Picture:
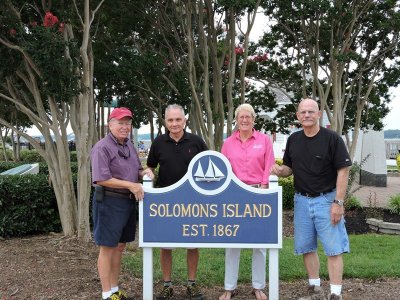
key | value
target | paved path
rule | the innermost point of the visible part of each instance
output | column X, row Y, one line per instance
column 379, row 196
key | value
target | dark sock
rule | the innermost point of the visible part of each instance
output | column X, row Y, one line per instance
column 168, row 283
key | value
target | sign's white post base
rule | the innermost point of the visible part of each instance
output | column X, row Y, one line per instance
column 273, row 274
column 147, row 259
column 148, row 273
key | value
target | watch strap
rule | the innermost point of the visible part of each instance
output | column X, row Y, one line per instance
column 338, row 202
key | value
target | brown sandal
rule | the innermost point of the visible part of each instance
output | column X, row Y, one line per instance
column 259, row 294
column 228, row 295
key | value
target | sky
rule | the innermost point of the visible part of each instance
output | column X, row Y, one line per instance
column 392, row 120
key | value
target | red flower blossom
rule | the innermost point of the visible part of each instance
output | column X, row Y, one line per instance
column 259, row 58
column 239, row 50
column 34, row 24
column 13, row 32
column 50, row 20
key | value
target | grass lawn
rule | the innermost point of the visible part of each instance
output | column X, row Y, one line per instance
column 372, row 256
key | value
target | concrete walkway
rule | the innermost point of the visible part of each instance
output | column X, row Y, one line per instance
column 371, row 196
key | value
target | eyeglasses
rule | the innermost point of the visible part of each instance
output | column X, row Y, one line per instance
column 245, row 117
column 124, row 155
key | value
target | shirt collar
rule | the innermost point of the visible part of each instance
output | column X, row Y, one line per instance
column 237, row 134
column 184, row 137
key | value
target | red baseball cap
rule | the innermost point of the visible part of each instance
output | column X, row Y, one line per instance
column 119, row 113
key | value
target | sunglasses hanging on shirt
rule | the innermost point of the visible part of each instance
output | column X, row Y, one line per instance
column 123, row 154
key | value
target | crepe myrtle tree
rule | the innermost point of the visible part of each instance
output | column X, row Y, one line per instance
column 343, row 53
column 47, row 74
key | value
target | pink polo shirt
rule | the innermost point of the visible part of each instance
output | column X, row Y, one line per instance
column 251, row 160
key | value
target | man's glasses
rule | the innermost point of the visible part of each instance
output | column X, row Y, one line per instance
column 124, row 155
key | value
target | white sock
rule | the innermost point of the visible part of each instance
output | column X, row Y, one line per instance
column 105, row 295
column 114, row 289
column 336, row 289
column 314, row 281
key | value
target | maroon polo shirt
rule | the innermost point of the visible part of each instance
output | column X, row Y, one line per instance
column 113, row 160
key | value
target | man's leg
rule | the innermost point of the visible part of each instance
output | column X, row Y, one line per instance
column 192, row 290
column 104, row 266
column 335, row 269
column 166, row 263
column 311, row 263
column 116, row 264
column 192, row 262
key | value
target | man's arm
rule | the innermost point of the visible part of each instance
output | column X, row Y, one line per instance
column 337, row 210
column 281, row 171
column 148, row 171
column 133, row 187
column 341, row 182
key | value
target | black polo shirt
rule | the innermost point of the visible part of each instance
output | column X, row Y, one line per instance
column 173, row 157
column 315, row 160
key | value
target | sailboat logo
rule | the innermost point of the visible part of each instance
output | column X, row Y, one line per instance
column 212, row 173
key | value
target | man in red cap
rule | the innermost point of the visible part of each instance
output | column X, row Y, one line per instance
column 116, row 170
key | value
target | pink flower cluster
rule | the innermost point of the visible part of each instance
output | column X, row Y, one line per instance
column 259, row 58
column 50, row 20
column 239, row 50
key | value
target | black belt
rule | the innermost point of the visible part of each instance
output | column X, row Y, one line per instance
column 257, row 185
column 119, row 195
column 314, row 195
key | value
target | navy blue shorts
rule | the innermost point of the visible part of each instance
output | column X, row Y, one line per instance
column 114, row 221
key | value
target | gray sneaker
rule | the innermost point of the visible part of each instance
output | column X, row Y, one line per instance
column 314, row 293
column 335, row 297
column 193, row 292
column 166, row 293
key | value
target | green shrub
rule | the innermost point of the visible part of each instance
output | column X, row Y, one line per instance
column 8, row 153
column 27, row 206
column 352, row 203
column 31, row 156
column 398, row 161
column 287, row 192
column 73, row 157
column 4, row 166
column 353, row 175
column 394, row 204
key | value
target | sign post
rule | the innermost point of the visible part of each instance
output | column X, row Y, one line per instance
column 147, row 255
column 210, row 208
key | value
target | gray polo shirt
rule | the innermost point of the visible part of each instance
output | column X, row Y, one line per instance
column 113, row 160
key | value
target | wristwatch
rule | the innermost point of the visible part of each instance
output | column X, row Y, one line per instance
column 338, row 202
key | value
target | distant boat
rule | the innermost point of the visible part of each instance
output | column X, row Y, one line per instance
column 212, row 173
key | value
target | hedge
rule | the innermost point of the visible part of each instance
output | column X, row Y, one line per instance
column 287, row 192
column 31, row 156
column 27, row 206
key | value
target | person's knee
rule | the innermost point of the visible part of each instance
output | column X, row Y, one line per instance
column 121, row 247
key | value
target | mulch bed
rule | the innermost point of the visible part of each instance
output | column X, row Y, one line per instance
column 57, row 267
